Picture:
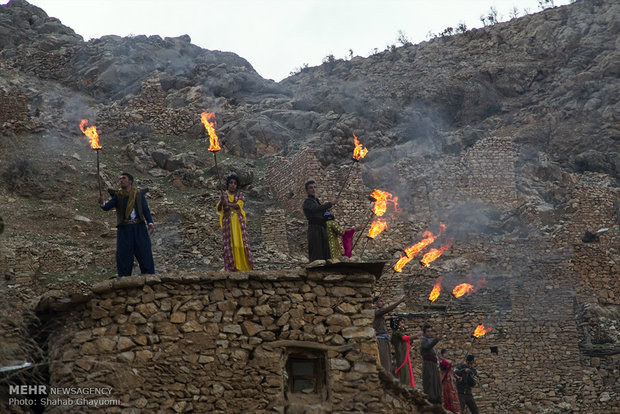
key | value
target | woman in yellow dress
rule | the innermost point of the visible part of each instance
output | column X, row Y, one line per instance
column 235, row 239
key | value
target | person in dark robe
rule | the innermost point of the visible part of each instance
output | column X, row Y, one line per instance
column 448, row 384
column 318, row 244
column 430, row 365
column 380, row 326
column 468, row 378
column 402, row 352
column 133, row 226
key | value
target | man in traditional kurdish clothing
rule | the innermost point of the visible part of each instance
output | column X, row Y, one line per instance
column 132, row 219
column 467, row 378
column 380, row 326
column 430, row 370
column 318, row 244
column 235, row 238
column 402, row 351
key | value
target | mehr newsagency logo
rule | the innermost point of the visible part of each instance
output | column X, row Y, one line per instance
column 43, row 395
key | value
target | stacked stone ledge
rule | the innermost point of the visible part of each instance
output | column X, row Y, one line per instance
column 218, row 342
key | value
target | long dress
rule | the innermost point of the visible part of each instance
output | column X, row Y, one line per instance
column 402, row 347
column 334, row 234
column 448, row 384
column 235, row 239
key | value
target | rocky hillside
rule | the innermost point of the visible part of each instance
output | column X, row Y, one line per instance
column 548, row 81
column 510, row 133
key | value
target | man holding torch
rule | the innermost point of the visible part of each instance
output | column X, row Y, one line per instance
column 380, row 327
column 318, row 244
column 431, row 380
column 468, row 378
column 133, row 217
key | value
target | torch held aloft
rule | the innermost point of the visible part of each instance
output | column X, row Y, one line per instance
column 470, row 347
column 364, row 249
column 98, row 174
column 346, row 178
column 217, row 170
column 363, row 228
column 443, row 322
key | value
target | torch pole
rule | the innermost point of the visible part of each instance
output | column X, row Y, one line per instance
column 443, row 322
column 411, row 284
column 346, row 179
column 217, row 170
column 364, row 249
column 98, row 175
column 363, row 229
column 390, row 281
column 470, row 348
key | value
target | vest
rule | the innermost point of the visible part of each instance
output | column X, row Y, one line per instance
column 120, row 206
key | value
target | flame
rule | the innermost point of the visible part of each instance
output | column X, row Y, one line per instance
column 91, row 132
column 376, row 228
column 481, row 330
column 398, row 267
column 436, row 290
column 381, row 200
column 413, row 250
column 433, row 254
column 208, row 119
column 462, row 289
column 360, row 151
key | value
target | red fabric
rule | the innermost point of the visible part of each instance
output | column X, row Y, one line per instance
column 347, row 242
column 407, row 360
column 448, row 384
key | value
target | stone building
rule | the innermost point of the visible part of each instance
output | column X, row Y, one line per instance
column 275, row 341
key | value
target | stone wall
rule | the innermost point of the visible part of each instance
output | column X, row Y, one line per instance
column 536, row 358
column 286, row 178
column 219, row 342
column 14, row 117
column 273, row 230
column 149, row 110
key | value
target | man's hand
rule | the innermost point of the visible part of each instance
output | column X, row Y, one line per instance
column 100, row 200
column 151, row 227
column 335, row 201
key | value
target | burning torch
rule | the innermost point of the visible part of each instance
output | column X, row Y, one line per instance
column 478, row 332
column 413, row 250
column 433, row 254
column 457, row 292
column 381, row 199
column 376, row 228
column 359, row 152
column 208, row 120
column 436, row 291
column 91, row 133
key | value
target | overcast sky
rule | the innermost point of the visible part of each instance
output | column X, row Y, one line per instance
column 278, row 36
